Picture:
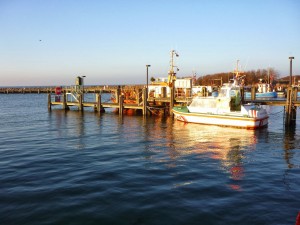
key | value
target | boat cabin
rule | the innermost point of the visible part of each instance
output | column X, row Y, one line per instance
column 228, row 100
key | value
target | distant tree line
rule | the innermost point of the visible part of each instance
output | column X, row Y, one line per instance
column 250, row 77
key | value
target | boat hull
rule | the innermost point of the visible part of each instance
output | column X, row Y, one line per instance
column 272, row 94
column 229, row 120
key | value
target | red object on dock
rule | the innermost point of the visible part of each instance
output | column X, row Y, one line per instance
column 58, row 90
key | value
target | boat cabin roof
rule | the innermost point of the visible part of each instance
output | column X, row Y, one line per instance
column 228, row 90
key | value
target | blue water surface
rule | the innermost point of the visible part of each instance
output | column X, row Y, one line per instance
column 60, row 167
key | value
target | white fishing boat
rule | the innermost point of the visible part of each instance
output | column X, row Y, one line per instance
column 224, row 110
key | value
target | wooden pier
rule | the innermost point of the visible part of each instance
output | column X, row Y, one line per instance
column 120, row 102
column 142, row 102
column 146, row 104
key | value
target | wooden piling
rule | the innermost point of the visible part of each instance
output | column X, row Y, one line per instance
column 65, row 106
column 49, row 101
column 294, row 108
column 80, row 105
column 290, row 109
column 145, row 102
column 253, row 94
column 172, row 100
column 118, row 93
column 121, row 101
column 98, row 100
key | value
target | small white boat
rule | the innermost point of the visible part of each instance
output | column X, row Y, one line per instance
column 224, row 110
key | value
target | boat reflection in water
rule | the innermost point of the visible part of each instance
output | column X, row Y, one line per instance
column 227, row 145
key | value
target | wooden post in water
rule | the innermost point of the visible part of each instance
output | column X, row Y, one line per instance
column 118, row 93
column 287, row 107
column 49, row 101
column 290, row 110
column 80, row 105
column 145, row 102
column 253, row 95
column 172, row 100
column 121, row 101
column 65, row 106
column 294, row 108
column 98, row 99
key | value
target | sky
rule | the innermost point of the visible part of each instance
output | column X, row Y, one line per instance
column 51, row 42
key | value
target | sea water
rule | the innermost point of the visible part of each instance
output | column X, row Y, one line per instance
column 60, row 167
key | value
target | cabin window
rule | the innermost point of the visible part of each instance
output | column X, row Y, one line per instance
column 222, row 93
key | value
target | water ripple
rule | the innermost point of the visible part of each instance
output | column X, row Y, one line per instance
column 80, row 168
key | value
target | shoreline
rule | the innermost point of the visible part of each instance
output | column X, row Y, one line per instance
column 51, row 89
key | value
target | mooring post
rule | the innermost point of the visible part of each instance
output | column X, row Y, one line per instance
column 121, row 100
column 253, row 94
column 49, row 101
column 145, row 102
column 291, row 111
column 288, row 107
column 118, row 93
column 65, row 105
column 293, row 108
column 80, row 104
column 172, row 100
column 99, row 105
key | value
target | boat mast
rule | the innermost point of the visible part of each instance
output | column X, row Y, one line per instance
column 269, row 75
column 237, row 69
column 237, row 73
column 171, row 73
